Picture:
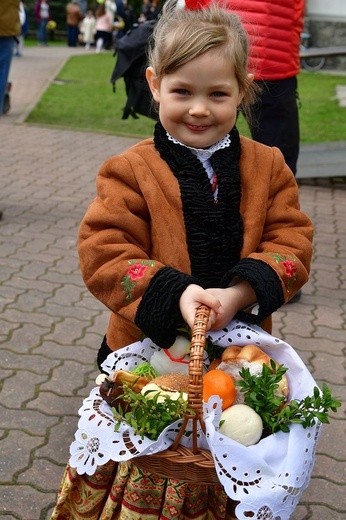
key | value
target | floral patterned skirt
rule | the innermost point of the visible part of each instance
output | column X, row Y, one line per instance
column 122, row 491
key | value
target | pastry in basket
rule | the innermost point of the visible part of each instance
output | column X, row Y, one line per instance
column 252, row 357
column 157, row 405
column 169, row 385
column 111, row 389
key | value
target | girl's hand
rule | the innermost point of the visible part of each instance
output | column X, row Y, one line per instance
column 192, row 298
column 232, row 300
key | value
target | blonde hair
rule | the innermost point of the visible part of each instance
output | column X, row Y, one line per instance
column 182, row 35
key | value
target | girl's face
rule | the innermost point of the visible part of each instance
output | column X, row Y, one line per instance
column 198, row 102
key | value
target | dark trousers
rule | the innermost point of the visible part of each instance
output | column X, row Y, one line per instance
column 42, row 32
column 276, row 119
column 72, row 35
column 6, row 53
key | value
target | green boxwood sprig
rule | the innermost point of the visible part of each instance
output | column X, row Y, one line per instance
column 277, row 415
column 149, row 416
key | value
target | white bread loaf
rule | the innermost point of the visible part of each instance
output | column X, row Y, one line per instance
column 252, row 357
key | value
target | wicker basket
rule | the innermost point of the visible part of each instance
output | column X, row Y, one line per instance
column 178, row 462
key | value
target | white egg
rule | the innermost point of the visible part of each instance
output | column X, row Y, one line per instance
column 180, row 347
column 174, row 359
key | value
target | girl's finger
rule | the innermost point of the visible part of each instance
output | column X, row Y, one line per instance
column 212, row 319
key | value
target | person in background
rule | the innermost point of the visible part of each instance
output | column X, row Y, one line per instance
column 24, row 21
column 10, row 27
column 129, row 16
column 42, row 17
column 196, row 215
column 88, row 29
column 154, row 10
column 74, row 16
column 104, row 28
column 145, row 11
column 120, row 12
column 83, row 5
column 274, row 28
column 111, row 8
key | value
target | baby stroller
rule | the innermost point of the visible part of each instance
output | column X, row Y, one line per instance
column 130, row 65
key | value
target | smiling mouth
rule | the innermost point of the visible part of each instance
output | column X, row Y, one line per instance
column 196, row 128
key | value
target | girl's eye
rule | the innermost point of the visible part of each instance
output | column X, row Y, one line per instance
column 218, row 94
column 182, row 92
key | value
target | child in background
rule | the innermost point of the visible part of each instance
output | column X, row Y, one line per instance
column 88, row 29
column 196, row 215
column 104, row 28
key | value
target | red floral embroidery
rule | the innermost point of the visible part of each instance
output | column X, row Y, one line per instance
column 290, row 268
column 136, row 271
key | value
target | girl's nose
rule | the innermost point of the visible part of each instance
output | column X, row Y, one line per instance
column 199, row 109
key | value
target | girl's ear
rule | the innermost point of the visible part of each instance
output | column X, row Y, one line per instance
column 153, row 83
column 250, row 78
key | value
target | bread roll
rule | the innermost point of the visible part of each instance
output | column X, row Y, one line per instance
column 173, row 382
column 252, row 357
column 167, row 385
column 250, row 353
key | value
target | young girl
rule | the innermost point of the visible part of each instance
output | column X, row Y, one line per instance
column 195, row 215
column 88, row 29
column 104, row 28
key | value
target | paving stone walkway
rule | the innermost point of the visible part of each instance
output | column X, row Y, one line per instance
column 51, row 327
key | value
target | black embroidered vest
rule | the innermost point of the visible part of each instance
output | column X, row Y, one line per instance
column 214, row 231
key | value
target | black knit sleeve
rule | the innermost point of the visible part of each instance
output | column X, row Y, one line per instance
column 158, row 314
column 266, row 284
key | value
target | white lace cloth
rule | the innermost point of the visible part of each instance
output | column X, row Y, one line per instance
column 267, row 478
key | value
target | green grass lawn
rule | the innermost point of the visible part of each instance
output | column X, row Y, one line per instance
column 82, row 98
column 30, row 42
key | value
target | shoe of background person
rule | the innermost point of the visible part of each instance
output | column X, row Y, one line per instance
column 296, row 297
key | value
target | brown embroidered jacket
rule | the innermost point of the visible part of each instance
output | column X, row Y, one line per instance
column 140, row 241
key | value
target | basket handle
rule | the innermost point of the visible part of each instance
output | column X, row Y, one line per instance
column 195, row 388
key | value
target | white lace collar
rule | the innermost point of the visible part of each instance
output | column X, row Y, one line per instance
column 204, row 154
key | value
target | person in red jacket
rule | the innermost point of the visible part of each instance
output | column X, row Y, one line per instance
column 274, row 28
